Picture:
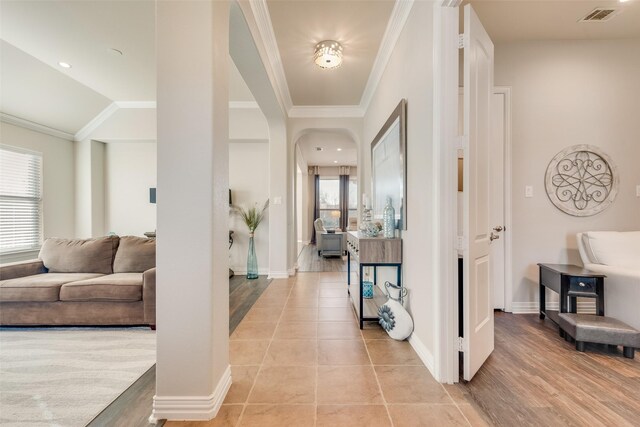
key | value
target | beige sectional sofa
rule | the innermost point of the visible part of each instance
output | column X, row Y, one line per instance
column 103, row 281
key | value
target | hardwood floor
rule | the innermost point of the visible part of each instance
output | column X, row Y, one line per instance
column 535, row 378
column 132, row 407
column 310, row 261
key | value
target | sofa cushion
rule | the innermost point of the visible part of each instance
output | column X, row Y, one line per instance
column 614, row 248
column 113, row 287
column 40, row 287
column 79, row 256
column 135, row 255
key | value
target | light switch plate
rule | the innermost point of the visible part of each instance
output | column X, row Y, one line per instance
column 528, row 191
column 277, row 200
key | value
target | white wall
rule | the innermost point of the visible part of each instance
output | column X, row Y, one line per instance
column 249, row 183
column 130, row 170
column 57, row 176
column 566, row 93
column 409, row 75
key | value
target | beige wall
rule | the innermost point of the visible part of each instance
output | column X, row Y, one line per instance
column 249, row 183
column 57, row 176
column 409, row 75
column 129, row 171
column 566, row 93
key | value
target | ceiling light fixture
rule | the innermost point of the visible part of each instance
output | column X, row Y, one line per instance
column 328, row 54
column 335, row 161
column 64, row 64
column 339, row 149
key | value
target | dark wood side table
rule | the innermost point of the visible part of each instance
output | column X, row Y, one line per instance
column 570, row 282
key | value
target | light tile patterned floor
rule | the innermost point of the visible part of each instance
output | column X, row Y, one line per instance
column 299, row 359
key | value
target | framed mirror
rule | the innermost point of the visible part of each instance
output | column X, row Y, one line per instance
column 389, row 166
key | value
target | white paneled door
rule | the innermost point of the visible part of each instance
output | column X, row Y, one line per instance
column 477, row 292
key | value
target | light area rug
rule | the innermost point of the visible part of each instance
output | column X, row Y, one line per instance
column 67, row 376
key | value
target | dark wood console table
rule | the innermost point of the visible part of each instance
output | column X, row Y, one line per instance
column 570, row 282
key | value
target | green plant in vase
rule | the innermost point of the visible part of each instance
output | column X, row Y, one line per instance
column 252, row 218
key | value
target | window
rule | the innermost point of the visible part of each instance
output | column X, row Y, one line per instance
column 353, row 197
column 330, row 202
column 20, row 200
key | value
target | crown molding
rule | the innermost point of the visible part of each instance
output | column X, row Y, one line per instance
column 244, row 105
column 136, row 104
column 84, row 133
column 326, row 111
column 398, row 18
column 17, row 121
column 248, row 141
column 263, row 21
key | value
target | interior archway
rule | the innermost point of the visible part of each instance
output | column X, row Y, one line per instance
column 326, row 162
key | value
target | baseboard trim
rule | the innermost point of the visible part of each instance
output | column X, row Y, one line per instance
column 243, row 272
column 279, row 274
column 533, row 307
column 423, row 352
column 191, row 408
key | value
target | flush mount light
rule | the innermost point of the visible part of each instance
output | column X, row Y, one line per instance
column 339, row 149
column 64, row 64
column 328, row 54
column 335, row 161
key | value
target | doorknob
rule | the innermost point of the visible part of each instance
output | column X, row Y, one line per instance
column 498, row 228
column 493, row 237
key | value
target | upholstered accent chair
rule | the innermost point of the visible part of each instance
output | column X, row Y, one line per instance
column 318, row 225
column 616, row 254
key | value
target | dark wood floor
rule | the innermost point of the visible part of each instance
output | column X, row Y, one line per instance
column 535, row 378
column 310, row 261
column 133, row 407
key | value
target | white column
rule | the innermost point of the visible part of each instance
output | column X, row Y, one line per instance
column 89, row 188
column 192, row 370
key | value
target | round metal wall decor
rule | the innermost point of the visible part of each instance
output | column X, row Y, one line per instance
column 581, row 180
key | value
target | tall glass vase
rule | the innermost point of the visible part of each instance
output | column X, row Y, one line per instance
column 252, row 260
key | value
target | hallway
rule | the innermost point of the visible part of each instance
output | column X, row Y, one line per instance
column 310, row 261
column 299, row 359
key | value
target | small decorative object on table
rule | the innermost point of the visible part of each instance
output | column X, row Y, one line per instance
column 367, row 289
column 389, row 217
column 392, row 315
column 252, row 217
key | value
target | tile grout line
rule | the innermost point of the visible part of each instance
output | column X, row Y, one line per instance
column 375, row 374
column 457, row 406
column 255, row 380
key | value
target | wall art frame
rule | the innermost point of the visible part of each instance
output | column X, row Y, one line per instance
column 582, row 180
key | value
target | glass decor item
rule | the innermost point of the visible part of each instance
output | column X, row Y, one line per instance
column 252, row 260
column 367, row 290
column 389, row 217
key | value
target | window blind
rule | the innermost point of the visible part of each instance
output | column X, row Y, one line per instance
column 20, row 200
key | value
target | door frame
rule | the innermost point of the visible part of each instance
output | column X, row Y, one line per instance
column 445, row 275
column 508, row 266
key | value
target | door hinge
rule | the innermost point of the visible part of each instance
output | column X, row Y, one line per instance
column 461, row 44
column 460, row 244
column 462, row 344
column 460, row 143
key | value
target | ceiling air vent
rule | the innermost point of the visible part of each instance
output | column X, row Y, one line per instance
column 319, row 148
column 600, row 14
